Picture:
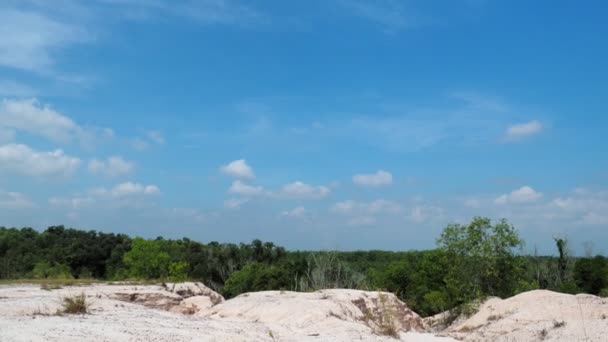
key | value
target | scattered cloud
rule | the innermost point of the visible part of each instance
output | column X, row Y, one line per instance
column 235, row 203
column 380, row 178
column 238, row 169
column 379, row 206
column 14, row 200
column 423, row 213
column 126, row 189
column 114, row 166
column 75, row 202
column 525, row 194
column 30, row 116
column 243, row 189
column 517, row 132
column 297, row 212
column 302, row 190
column 23, row 160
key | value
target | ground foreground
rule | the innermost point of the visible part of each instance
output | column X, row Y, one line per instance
column 192, row 312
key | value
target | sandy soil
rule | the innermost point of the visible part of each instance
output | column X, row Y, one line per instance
column 535, row 316
column 191, row 312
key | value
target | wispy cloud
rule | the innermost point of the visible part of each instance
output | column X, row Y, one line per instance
column 517, row 132
column 30, row 40
column 390, row 14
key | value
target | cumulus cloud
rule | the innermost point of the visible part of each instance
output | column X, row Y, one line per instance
column 127, row 189
column 379, row 178
column 235, row 203
column 14, row 200
column 525, row 194
column 32, row 117
column 243, row 189
column 112, row 167
column 302, row 190
column 23, row 160
column 238, row 169
column 523, row 130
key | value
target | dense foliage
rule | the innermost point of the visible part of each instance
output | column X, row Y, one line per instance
column 472, row 261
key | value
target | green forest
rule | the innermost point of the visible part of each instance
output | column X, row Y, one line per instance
column 471, row 261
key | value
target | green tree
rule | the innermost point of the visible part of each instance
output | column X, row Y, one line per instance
column 147, row 260
column 484, row 260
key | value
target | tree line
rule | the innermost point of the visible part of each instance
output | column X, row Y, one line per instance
column 470, row 262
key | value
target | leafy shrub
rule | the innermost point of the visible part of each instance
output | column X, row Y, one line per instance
column 44, row 270
column 178, row 271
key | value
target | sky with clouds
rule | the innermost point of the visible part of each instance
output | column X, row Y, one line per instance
column 346, row 124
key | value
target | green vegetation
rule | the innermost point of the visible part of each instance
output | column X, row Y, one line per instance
column 471, row 262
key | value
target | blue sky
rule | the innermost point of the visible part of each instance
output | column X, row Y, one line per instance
column 344, row 124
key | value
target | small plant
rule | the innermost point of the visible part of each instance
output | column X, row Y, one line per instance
column 76, row 305
column 558, row 324
column 271, row 335
column 542, row 334
column 387, row 320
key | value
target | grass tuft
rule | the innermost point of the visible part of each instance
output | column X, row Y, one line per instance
column 76, row 305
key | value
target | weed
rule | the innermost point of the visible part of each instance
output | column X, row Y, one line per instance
column 76, row 305
column 558, row 324
column 542, row 334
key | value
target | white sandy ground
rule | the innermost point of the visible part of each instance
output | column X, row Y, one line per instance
column 538, row 315
column 193, row 312
column 139, row 313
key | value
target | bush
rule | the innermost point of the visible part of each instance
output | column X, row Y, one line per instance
column 75, row 305
column 178, row 271
column 44, row 270
column 604, row 293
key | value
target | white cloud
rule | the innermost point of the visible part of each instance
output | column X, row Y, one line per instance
column 523, row 130
column 525, row 194
column 379, row 206
column 240, row 188
column 127, row 189
column 14, row 200
column 302, row 190
column 76, row 202
column 345, row 207
column 423, row 213
column 379, row 178
column 235, row 203
column 112, row 167
column 472, row 203
column 238, row 169
column 23, row 160
column 32, row 117
column 29, row 40
column 297, row 212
